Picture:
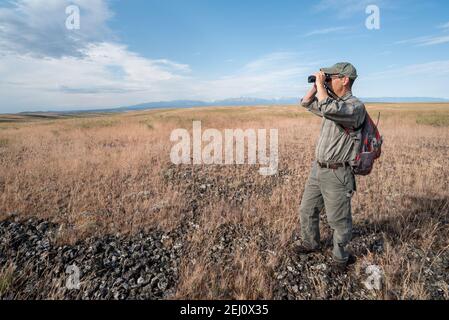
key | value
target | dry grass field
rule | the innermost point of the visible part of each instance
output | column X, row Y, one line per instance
column 111, row 174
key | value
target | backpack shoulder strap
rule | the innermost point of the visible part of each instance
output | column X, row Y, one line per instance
column 348, row 131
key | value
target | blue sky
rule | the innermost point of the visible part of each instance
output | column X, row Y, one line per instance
column 135, row 51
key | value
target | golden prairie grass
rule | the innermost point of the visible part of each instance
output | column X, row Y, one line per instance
column 112, row 174
column 6, row 278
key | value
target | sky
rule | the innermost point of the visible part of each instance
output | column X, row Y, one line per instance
column 136, row 51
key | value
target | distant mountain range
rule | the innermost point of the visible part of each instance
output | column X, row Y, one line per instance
column 243, row 101
column 404, row 99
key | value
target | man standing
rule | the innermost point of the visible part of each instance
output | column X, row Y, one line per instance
column 331, row 183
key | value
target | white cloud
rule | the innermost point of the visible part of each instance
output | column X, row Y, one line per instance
column 38, row 27
column 109, row 75
column 325, row 31
column 106, row 75
column 44, row 66
column 434, row 40
column 426, row 41
column 346, row 8
column 433, row 69
column 279, row 74
column 444, row 26
column 429, row 79
column 429, row 40
column 137, row 70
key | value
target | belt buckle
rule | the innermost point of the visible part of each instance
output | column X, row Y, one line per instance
column 324, row 165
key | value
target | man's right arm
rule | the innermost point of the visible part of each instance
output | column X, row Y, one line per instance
column 310, row 102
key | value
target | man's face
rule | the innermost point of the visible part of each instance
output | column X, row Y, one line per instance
column 337, row 83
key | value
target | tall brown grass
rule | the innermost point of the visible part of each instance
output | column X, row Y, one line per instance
column 113, row 175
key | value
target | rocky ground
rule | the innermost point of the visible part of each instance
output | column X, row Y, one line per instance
column 147, row 265
column 144, row 266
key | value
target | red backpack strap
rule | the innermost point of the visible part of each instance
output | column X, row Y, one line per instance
column 348, row 131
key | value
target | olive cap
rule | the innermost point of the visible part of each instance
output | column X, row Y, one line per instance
column 342, row 68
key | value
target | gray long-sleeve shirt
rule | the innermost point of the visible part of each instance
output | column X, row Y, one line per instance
column 334, row 145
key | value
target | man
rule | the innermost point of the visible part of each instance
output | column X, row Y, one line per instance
column 331, row 183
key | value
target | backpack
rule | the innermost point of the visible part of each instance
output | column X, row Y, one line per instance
column 368, row 146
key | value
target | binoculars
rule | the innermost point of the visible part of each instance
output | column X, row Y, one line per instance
column 312, row 79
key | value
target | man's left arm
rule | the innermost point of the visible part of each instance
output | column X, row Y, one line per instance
column 349, row 114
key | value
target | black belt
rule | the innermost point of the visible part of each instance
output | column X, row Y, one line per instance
column 333, row 165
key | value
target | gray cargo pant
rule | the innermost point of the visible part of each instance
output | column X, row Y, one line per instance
column 331, row 189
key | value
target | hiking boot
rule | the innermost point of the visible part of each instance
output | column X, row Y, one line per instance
column 302, row 249
column 342, row 267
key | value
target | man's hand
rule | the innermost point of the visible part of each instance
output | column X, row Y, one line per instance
column 310, row 95
column 320, row 78
column 321, row 89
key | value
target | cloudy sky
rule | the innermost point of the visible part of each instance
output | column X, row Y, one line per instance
column 136, row 51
